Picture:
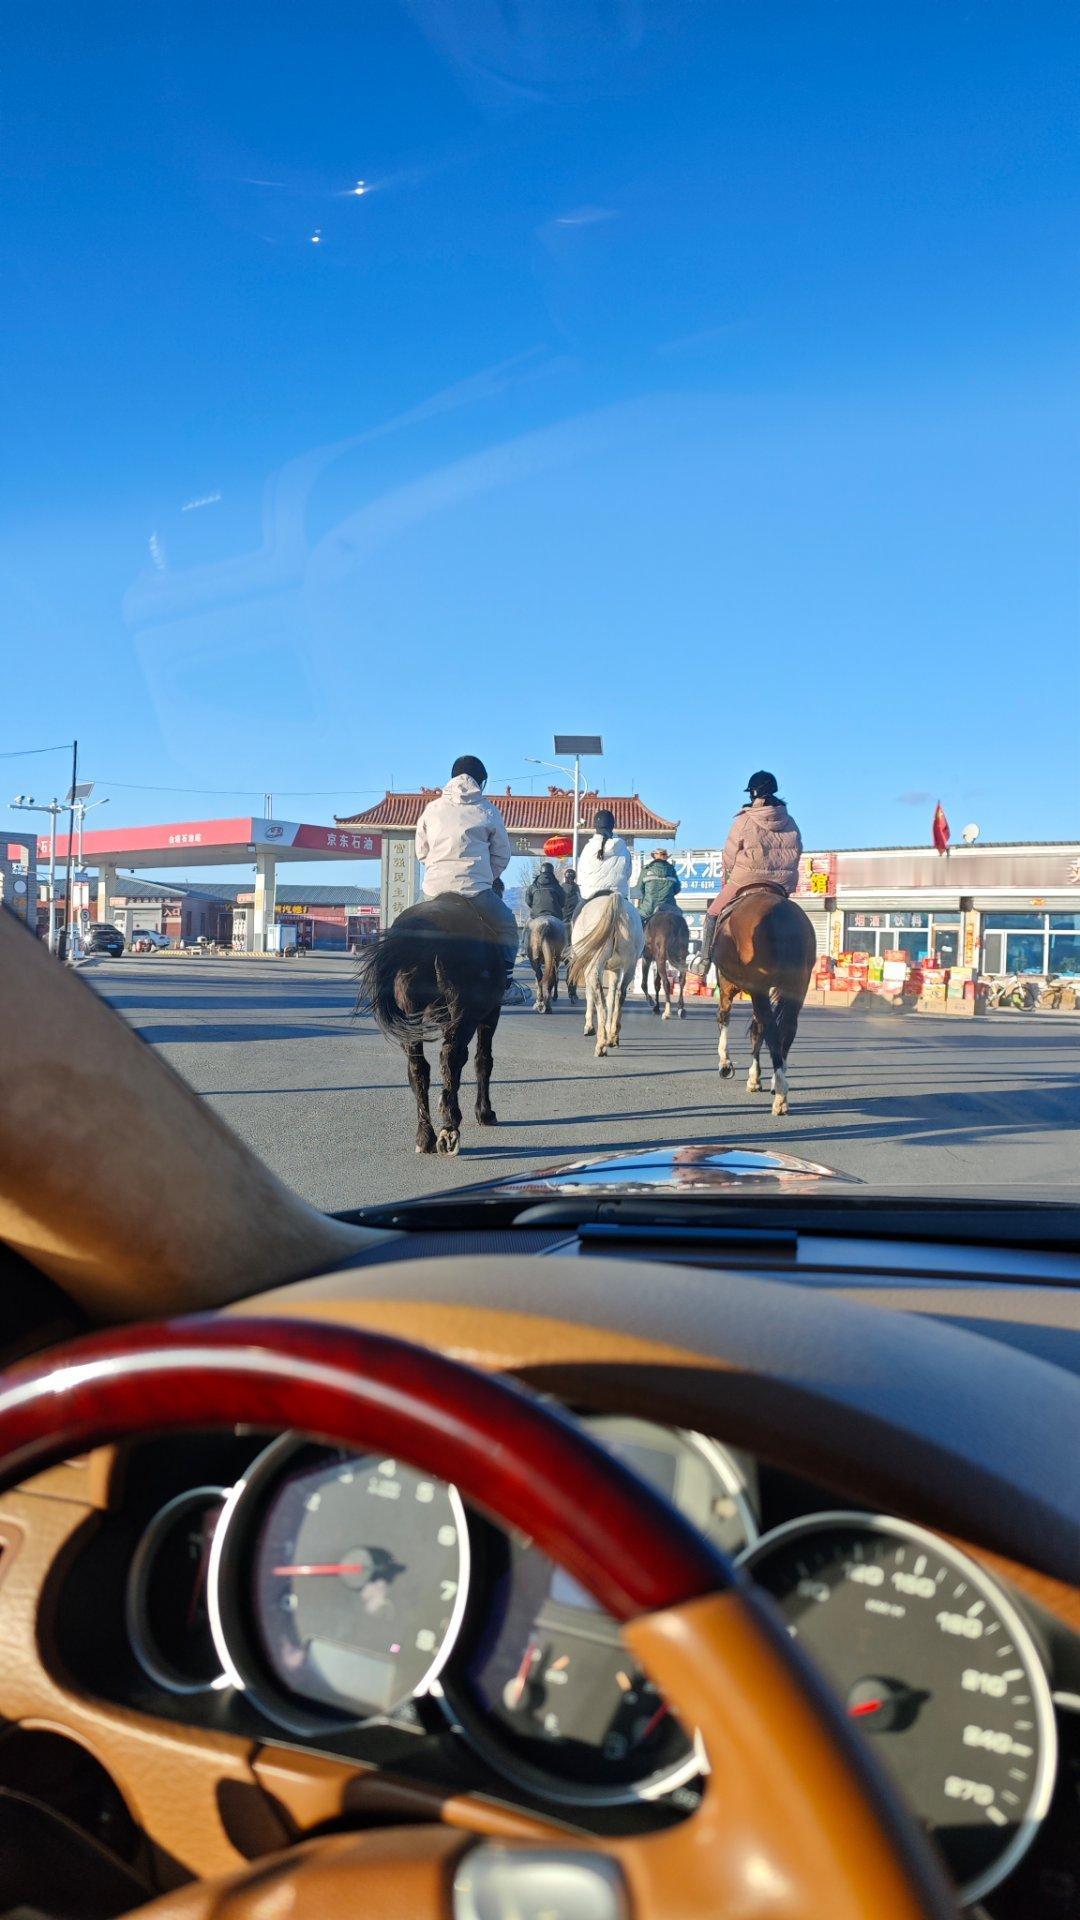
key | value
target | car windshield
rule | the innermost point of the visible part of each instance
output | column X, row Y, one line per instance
column 539, row 548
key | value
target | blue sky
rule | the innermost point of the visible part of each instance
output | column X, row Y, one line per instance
column 699, row 374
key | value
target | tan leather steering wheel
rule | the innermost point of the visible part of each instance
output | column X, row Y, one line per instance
column 797, row 1819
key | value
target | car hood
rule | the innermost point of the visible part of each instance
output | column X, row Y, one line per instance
column 710, row 1168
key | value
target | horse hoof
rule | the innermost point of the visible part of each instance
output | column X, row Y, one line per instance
column 448, row 1141
column 666, row 1015
column 727, row 1072
column 427, row 1144
column 682, row 1013
column 589, row 1031
column 779, row 1106
column 600, row 1052
column 654, row 1009
column 488, row 1119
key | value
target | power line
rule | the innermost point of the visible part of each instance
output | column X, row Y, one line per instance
column 25, row 753
column 241, row 793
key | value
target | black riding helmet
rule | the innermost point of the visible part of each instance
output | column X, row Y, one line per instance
column 762, row 785
column 468, row 763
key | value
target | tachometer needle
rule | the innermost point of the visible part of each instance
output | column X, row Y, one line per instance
column 654, row 1719
column 862, row 1707
column 323, row 1566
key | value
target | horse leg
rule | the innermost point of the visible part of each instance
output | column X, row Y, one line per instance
column 596, row 988
column 452, row 1058
column 664, row 958
column 420, row 1081
column 485, row 1034
column 538, row 969
column 723, row 1015
column 616, row 1001
column 682, row 992
column 755, row 1036
column 551, row 975
column 765, row 1013
column 590, row 1001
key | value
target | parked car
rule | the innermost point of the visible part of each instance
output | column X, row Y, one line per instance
column 103, row 938
column 149, row 940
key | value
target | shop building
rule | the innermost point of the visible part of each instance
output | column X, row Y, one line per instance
column 1002, row 907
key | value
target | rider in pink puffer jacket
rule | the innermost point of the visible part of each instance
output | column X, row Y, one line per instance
column 764, row 845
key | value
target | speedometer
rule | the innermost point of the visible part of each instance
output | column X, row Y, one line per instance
column 338, row 1582
column 935, row 1666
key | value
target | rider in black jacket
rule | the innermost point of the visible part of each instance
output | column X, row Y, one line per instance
column 545, row 895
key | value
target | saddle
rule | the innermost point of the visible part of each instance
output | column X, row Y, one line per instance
column 755, row 886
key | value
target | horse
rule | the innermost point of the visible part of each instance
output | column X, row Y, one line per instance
column 545, row 941
column 608, row 938
column 764, row 947
column 440, row 965
column 667, row 943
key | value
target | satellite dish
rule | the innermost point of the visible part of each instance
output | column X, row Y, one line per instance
column 970, row 833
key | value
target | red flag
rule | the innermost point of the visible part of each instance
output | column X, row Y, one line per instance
column 940, row 829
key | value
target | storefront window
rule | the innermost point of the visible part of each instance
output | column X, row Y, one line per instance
column 1013, row 922
column 1025, row 953
column 1064, row 949
column 915, row 945
column 860, row 939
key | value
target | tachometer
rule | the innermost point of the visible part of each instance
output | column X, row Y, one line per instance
column 936, row 1667
column 341, row 1581
column 550, row 1695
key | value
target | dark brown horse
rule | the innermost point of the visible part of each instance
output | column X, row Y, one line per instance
column 766, row 948
column 667, row 944
column 441, row 965
column 546, row 942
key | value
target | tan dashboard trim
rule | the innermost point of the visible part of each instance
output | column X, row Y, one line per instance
column 601, row 1367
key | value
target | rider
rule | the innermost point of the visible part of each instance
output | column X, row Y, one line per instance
column 572, row 893
column 462, row 840
column 659, row 885
column 545, row 895
column 605, row 865
column 763, row 847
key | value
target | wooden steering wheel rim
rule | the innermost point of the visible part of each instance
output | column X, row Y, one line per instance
column 797, row 1819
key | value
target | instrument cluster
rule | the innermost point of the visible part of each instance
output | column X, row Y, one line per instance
column 337, row 1591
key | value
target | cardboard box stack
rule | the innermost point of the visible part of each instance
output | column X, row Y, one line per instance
column 935, row 986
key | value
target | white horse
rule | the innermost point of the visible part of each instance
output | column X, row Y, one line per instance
column 608, row 939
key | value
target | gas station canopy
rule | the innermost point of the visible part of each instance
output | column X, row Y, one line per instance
column 217, row 843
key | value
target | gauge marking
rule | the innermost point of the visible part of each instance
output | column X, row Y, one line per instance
column 910, row 1677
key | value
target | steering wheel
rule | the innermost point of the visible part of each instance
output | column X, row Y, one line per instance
column 797, row 1819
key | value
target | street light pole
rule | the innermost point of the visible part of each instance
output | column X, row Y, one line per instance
column 25, row 803
column 577, row 804
column 53, row 811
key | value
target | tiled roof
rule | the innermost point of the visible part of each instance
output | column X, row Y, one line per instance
column 550, row 812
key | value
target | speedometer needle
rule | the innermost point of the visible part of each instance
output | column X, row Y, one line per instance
column 862, row 1707
column 323, row 1566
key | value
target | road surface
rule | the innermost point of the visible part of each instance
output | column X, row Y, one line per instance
column 905, row 1100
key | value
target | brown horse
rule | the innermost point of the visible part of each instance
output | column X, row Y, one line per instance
column 546, row 942
column 764, row 947
column 667, row 944
column 441, row 965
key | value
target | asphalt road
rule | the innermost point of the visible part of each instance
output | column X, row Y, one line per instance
column 903, row 1100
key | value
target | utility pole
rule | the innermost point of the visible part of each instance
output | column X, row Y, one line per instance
column 69, row 921
column 53, row 811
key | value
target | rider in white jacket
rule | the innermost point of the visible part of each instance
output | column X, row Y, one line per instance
column 462, row 840
column 606, row 864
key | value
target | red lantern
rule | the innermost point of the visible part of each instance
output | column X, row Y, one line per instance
column 559, row 847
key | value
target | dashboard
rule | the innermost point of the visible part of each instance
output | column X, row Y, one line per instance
column 346, row 1605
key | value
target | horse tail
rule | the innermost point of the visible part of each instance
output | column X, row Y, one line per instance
column 592, row 944
column 384, row 992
